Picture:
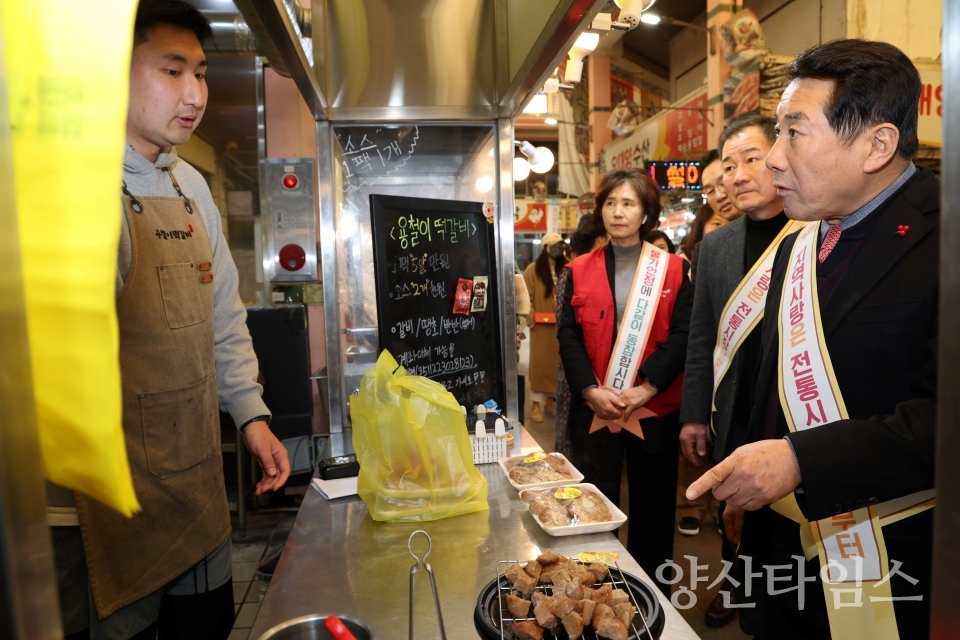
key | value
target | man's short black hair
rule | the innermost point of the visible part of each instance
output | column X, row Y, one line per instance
column 766, row 124
column 177, row 13
column 873, row 82
column 709, row 158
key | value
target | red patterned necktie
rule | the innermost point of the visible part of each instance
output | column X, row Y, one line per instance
column 829, row 242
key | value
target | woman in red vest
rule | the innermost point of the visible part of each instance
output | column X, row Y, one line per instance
column 628, row 207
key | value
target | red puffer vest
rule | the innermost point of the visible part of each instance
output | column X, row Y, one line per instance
column 594, row 310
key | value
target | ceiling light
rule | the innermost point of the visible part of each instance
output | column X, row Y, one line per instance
column 541, row 158
column 650, row 18
column 484, row 184
column 550, row 121
column 521, row 169
column 585, row 44
column 631, row 12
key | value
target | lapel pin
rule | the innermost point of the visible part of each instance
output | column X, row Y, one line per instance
column 902, row 229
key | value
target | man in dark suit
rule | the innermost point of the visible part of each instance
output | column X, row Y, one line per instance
column 847, row 131
column 726, row 255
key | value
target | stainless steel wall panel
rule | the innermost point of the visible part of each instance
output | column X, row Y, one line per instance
column 507, row 260
column 289, row 219
column 570, row 18
column 945, row 615
column 328, row 262
column 526, row 20
column 409, row 53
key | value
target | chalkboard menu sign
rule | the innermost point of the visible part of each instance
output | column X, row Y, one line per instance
column 425, row 253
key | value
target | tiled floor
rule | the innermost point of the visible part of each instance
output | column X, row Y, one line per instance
column 264, row 537
column 705, row 547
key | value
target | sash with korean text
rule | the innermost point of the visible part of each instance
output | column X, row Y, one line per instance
column 744, row 310
column 853, row 557
column 635, row 329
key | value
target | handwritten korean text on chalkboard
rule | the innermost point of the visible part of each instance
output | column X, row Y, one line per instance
column 368, row 153
column 411, row 230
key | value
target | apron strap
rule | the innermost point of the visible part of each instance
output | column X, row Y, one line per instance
column 134, row 203
column 186, row 202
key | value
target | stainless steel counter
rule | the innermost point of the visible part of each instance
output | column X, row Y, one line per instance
column 338, row 560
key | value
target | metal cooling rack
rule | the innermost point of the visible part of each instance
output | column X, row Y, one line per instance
column 547, row 589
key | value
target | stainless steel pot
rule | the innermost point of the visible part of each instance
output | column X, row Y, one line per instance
column 311, row 628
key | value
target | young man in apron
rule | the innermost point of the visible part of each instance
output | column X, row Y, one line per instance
column 184, row 350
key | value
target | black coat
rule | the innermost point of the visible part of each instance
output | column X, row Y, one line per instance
column 661, row 367
column 880, row 325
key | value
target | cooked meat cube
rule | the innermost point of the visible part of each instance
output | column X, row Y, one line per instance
column 618, row 596
column 545, row 617
column 581, row 573
column 589, row 507
column 527, row 630
column 548, row 571
column 519, row 608
column 560, row 577
column 588, row 607
column 601, row 611
column 537, row 597
column 573, row 566
column 524, row 584
column 598, row 569
column 625, row 612
column 548, row 557
column 562, row 605
column 602, row 595
column 512, row 571
column 573, row 623
column 533, row 569
column 587, row 578
column 611, row 627
column 588, row 593
column 574, row 590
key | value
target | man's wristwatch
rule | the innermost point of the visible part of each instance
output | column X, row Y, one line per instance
column 257, row 419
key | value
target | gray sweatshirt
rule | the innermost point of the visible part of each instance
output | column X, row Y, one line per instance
column 237, row 388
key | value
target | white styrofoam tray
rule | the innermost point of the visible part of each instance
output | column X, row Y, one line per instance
column 575, row 475
column 618, row 517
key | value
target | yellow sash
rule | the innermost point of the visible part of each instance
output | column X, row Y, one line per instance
column 635, row 328
column 744, row 310
column 853, row 557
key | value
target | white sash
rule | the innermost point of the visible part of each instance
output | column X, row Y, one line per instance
column 744, row 310
column 853, row 557
column 635, row 328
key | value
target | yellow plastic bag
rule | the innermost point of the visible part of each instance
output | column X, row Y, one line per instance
column 68, row 112
column 416, row 463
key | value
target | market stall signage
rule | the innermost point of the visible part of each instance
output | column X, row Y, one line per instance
column 680, row 131
column 425, row 251
column 673, row 174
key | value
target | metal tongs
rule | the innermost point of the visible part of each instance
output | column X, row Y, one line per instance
column 433, row 580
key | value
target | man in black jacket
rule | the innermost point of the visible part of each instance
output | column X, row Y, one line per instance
column 847, row 131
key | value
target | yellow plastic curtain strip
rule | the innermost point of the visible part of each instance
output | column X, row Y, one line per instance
column 68, row 69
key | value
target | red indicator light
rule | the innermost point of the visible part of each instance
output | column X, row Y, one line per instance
column 290, row 181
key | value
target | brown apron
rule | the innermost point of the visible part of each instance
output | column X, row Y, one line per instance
column 170, row 419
